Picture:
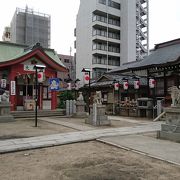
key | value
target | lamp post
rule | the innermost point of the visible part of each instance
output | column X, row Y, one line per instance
column 87, row 78
column 117, row 88
column 37, row 67
column 152, row 83
column 76, row 87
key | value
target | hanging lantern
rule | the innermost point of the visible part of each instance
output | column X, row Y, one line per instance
column 69, row 86
column 136, row 84
column 152, row 83
column 40, row 77
column 86, row 78
column 116, row 86
column 125, row 85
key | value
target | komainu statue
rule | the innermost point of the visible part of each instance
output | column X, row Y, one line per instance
column 4, row 97
column 80, row 98
column 98, row 97
column 175, row 95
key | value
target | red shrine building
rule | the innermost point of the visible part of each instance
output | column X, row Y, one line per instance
column 18, row 75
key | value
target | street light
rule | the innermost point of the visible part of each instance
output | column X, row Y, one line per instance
column 116, row 88
column 88, row 79
column 152, row 83
column 76, row 87
column 37, row 67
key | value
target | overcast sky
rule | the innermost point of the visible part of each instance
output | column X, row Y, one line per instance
column 164, row 20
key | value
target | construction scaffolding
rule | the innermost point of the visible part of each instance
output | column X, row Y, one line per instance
column 29, row 27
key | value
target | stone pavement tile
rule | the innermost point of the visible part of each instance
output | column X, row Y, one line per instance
column 12, row 148
column 83, row 127
column 160, row 149
column 43, row 143
column 6, row 143
column 54, row 139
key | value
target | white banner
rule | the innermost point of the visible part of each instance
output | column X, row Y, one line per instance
column 3, row 83
column 13, row 88
column 29, row 67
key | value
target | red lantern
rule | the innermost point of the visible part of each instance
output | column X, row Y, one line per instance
column 40, row 77
column 136, row 84
column 86, row 78
column 152, row 83
column 125, row 85
column 116, row 86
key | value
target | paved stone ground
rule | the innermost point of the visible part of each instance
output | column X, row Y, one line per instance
column 72, row 125
column 149, row 146
column 129, row 138
column 72, row 137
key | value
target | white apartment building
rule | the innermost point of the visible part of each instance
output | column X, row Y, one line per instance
column 110, row 33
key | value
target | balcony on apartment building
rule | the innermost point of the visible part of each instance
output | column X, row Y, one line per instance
column 106, row 48
column 102, row 19
column 101, row 34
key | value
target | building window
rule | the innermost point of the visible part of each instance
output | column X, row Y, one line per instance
column 99, row 18
column 99, row 60
column 99, row 46
column 114, row 61
column 114, row 22
column 99, row 32
column 114, row 4
column 102, row 1
column 66, row 60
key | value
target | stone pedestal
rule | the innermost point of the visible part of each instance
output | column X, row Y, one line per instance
column 171, row 129
column 70, row 107
column 97, row 116
column 80, row 109
column 5, row 115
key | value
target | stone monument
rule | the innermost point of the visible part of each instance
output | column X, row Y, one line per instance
column 80, row 106
column 171, row 129
column 97, row 115
column 5, row 115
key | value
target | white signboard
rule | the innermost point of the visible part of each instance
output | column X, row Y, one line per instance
column 3, row 83
column 29, row 67
column 13, row 88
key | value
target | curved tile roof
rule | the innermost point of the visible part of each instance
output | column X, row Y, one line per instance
column 11, row 51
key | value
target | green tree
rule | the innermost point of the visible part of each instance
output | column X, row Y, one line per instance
column 66, row 95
